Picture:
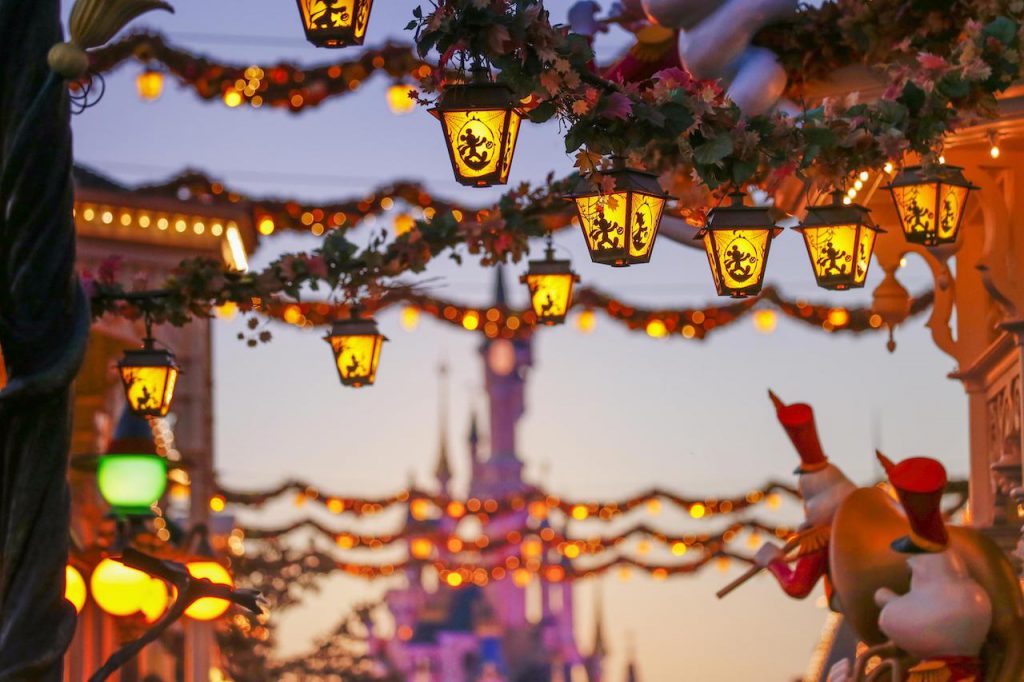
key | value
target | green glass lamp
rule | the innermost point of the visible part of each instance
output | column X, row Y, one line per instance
column 131, row 476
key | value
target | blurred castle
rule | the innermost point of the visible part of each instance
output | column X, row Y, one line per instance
column 505, row 630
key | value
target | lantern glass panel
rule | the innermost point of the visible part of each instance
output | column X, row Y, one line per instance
column 603, row 217
column 950, row 210
column 864, row 250
column 740, row 257
column 481, row 143
column 209, row 608
column 832, row 249
column 916, row 207
column 646, row 216
column 149, row 388
column 356, row 357
column 550, row 295
column 131, row 483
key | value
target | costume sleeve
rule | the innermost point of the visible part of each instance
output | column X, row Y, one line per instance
column 798, row 581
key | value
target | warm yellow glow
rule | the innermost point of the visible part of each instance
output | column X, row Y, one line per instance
column 292, row 314
column 471, row 320
column 150, row 84
column 863, row 177
column 888, row 167
column 410, row 318
column 838, row 317
column 209, row 608
column 654, row 506
column 765, row 320
column 404, row 223
column 521, row 577
column 74, row 588
column 227, row 310
column 399, row 100
column 154, row 600
column 335, row 23
column 239, row 260
column 586, row 321
column 266, row 226
column 930, row 211
column 656, row 329
column 532, row 548
column 217, row 503
column 481, row 143
column 538, row 510
column 550, row 295
column 737, row 258
column 571, row 551
column 456, row 509
column 117, row 589
column 620, row 227
column 580, row 512
column 356, row 357
column 773, row 500
column 698, row 510
column 149, row 390
column 421, row 548
column 453, row 579
column 679, row 548
column 840, row 254
column 420, row 509
column 232, row 98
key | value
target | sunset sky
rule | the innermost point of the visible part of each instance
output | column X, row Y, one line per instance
column 609, row 413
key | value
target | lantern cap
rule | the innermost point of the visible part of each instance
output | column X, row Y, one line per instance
column 736, row 215
column 838, row 213
column 626, row 180
column 475, row 95
column 148, row 356
column 916, row 175
column 355, row 326
column 550, row 266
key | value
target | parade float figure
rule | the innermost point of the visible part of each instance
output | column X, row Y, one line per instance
column 823, row 488
column 946, row 605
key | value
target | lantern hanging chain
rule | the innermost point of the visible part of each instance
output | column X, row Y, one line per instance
column 549, row 246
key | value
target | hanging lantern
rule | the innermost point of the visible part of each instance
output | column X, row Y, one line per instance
column 480, row 121
column 840, row 239
column 737, row 239
column 335, row 23
column 620, row 227
column 550, row 283
column 930, row 203
column 74, row 588
column 208, row 608
column 356, row 344
column 150, row 84
column 149, row 375
column 131, row 476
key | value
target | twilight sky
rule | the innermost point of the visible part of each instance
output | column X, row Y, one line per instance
column 608, row 413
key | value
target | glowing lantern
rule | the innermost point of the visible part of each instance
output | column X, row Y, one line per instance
column 399, row 100
column 150, row 84
column 737, row 239
column 74, row 588
column 840, row 238
column 620, row 226
column 335, row 23
column 149, row 375
column 131, row 476
column 356, row 344
column 118, row 589
column 480, row 121
column 208, row 608
column 154, row 600
column 550, row 283
column 930, row 204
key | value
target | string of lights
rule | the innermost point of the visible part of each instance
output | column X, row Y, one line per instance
column 685, row 323
column 280, row 85
column 538, row 503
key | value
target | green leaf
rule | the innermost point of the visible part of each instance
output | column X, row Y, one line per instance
column 743, row 171
column 714, row 150
column 411, row 25
column 913, row 97
column 1002, row 29
column 543, row 112
column 575, row 137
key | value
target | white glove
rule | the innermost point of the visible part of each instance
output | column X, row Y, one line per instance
column 767, row 554
column 842, row 671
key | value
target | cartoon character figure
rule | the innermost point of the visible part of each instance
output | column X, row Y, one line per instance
column 735, row 258
column 469, row 149
column 830, row 258
column 548, row 305
column 823, row 488
column 604, row 231
column 640, row 233
column 938, row 628
column 918, row 215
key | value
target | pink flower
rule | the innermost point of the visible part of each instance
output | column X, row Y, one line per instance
column 108, row 269
column 932, row 62
column 674, row 77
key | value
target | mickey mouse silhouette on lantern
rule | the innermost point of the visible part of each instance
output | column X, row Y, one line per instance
column 931, row 602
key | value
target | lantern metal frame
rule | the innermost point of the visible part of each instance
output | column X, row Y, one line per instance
column 949, row 176
column 838, row 214
column 628, row 181
column 481, row 94
column 336, row 36
column 737, row 217
column 550, row 267
column 356, row 326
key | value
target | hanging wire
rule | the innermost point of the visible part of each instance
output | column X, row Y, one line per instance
column 84, row 94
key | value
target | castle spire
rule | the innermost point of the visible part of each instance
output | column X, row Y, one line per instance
column 443, row 470
column 500, row 298
column 600, row 646
column 631, row 671
column 474, row 438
